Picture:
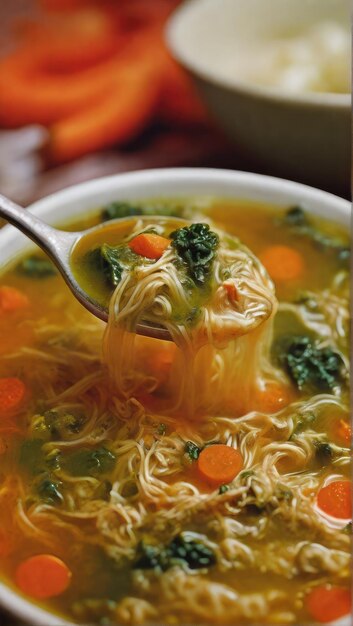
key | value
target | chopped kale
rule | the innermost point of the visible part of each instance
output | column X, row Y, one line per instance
column 323, row 452
column 115, row 210
column 115, row 261
column 307, row 364
column 246, row 474
column 223, row 489
column 89, row 462
column 183, row 550
column 49, row 491
column 196, row 245
column 348, row 528
column 297, row 220
column 57, row 425
column 192, row 450
column 36, row 267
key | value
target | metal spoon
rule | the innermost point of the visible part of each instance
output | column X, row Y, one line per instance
column 58, row 245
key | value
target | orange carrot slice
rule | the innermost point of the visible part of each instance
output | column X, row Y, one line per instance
column 149, row 245
column 326, row 604
column 12, row 299
column 336, row 499
column 231, row 292
column 342, row 431
column 273, row 397
column 43, row 576
column 219, row 464
column 12, row 395
column 282, row 262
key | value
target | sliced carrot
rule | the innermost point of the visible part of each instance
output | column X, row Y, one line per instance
column 272, row 397
column 43, row 576
column 326, row 603
column 282, row 262
column 149, row 245
column 117, row 118
column 343, row 432
column 336, row 499
column 12, row 299
column 12, row 395
column 219, row 464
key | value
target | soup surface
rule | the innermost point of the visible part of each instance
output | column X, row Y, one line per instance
column 121, row 502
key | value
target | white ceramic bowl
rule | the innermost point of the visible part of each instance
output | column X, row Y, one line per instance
column 303, row 137
column 75, row 201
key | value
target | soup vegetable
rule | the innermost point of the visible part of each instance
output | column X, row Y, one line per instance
column 205, row 479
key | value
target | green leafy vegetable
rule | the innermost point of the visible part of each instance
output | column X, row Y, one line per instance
column 115, row 210
column 49, row 491
column 196, row 245
column 192, row 450
column 283, row 493
column 112, row 261
column 36, row 267
column 57, row 425
column 297, row 220
column 89, row 462
column 223, row 489
column 324, row 452
column 161, row 429
column 348, row 528
column 309, row 365
column 183, row 550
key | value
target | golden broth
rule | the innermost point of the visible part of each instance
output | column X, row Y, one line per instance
column 106, row 505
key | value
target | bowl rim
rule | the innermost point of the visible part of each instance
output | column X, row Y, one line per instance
column 236, row 183
column 327, row 100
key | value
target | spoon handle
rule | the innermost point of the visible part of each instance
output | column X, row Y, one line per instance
column 56, row 243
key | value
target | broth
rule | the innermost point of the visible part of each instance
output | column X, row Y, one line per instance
column 110, row 484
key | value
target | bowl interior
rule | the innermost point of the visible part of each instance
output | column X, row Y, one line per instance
column 72, row 202
column 211, row 37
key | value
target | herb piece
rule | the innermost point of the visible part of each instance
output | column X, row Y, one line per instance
column 223, row 489
column 246, row 474
column 283, row 493
column 36, row 267
column 324, row 452
column 183, row 550
column 348, row 528
column 161, row 429
column 296, row 219
column 192, row 450
column 307, row 364
column 303, row 422
column 115, row 261
column 49, row 491
column 88, row 462
column 196, row 245
column 57, row 424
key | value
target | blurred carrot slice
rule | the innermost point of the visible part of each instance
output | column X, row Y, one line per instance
column 116, row 118
column 327, row 604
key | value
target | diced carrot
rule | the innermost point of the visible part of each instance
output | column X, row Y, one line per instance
column 43, row 576
column 12, row 299
column 336, row 499
column 272, row 397
column 219, row 464
column 282, row 262
column 12, row 395
column 326, row 603
column 231, row 292
column 149, row 245
column 342, row 431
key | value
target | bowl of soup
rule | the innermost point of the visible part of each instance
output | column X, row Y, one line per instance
column 199, row 478
column 276, row 77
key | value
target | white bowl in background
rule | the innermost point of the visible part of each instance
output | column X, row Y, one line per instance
column 306, row 137
column 71, row 203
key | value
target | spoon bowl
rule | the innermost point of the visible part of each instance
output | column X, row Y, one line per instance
column 59, row 245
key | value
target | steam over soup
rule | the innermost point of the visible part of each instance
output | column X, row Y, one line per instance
column 200, row 480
